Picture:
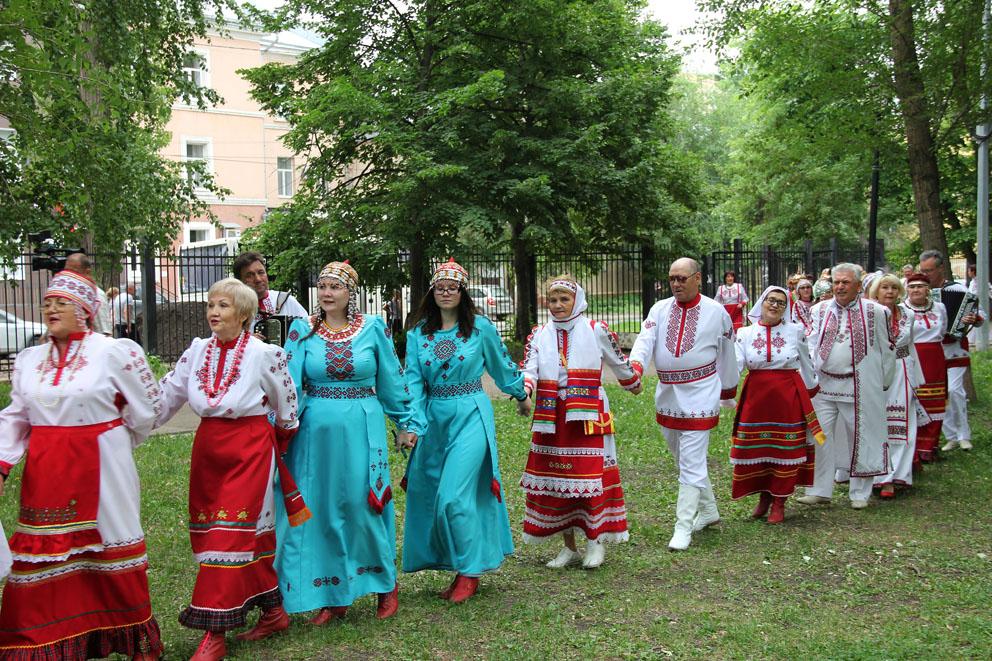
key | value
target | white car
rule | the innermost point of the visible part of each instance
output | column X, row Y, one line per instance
column 16, row 334
column 492, row 300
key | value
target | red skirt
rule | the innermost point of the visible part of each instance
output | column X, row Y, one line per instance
column 933, row 396
column 231, row 472
column 736, row 314
column 769, row 447
column 569, row 486
column 76, row 598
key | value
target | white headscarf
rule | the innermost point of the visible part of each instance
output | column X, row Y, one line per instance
column 755, row 314
column 578, row 309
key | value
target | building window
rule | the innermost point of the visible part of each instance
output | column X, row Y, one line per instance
column 198, row 151
column 198, row 235
column 232, row 232
column 196, row 67
column 284, row 173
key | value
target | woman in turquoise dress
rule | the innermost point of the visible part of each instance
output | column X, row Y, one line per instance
column 347, row 375
column 455, row 516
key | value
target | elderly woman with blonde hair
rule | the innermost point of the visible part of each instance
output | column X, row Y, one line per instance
column 903, row 407
column 233, row 381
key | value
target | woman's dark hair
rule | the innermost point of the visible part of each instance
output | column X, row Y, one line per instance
column 732, row 273
column 430, row 313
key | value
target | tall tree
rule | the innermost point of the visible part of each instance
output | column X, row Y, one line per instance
column 905, row 72
column 434, row 125
column 88, row 87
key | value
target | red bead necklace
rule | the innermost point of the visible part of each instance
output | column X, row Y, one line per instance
column 208, row 373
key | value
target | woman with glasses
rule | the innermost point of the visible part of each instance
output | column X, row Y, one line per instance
column 456, row 519
column 732, row 297
column 572, row 480
column 348, row 377
column 775, row 426
column 80, row 404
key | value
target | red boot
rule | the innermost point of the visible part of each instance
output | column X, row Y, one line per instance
column 272, row 621
column 777, row 515
column 446, row 593
column 389, row 603
column 465, row 587
column 212, row 647
column 327, row 614
column 764, row 502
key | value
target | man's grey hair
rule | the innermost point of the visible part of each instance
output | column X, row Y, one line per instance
column 848, row 267
column 932, row 254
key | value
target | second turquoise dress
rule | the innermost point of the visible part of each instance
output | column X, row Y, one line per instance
column 455, row 516
column 340, row 459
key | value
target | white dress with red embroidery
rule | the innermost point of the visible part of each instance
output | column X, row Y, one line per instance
column 731, row 297
column 692, row 348
column 233, row 387
column 78, row 585
column 929, row 328
column 572, row 478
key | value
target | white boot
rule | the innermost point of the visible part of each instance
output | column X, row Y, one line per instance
column 595, row 554
column 566, row 557
column 708, row 513
column 685, row 511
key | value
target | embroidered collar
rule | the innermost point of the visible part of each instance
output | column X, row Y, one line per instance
column 691, row 304
column 346, row 333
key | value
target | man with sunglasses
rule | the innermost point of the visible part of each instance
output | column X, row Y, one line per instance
column 855, row 362
column 690, row 339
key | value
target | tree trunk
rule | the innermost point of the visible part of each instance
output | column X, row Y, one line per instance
column 526, row 315
column 418, row 276
column 922, row 155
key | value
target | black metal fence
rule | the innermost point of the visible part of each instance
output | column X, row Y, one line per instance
column 620, row 286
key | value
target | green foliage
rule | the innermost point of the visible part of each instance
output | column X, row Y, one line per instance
column 817, row 78
column 88, row 87
column 159, row 368
column 436, row 125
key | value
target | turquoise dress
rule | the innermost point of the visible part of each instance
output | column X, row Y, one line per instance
column 455, row 516
column 345, row 382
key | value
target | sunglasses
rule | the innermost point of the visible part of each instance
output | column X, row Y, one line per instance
column 681, row 279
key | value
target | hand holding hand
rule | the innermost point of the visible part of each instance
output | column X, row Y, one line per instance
column 524, row 407
column 638, row 389
column 405, row 439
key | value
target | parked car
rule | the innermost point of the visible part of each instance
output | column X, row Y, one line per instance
column 16, row 334
column 492, row 300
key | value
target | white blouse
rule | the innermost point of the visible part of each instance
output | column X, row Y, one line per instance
column 778, row 347
column 730, row 294
column 101, row 380
column 929, row 322
column 262, row 383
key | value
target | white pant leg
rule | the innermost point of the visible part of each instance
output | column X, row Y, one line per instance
column 901, row 456
column 860, row 488
column 823, row 469
column 689, row 448
column 956, row 426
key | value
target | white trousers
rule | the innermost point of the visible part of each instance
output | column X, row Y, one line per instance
column 837, row 421
column 901, row 457
column 689, row 449
column 956, row 419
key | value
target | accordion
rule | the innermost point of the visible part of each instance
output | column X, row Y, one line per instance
column 959, row 304
column 273, row 328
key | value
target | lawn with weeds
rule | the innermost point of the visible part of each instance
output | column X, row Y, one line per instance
column 908, row 578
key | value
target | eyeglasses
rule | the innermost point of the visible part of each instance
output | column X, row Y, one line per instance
column 774, row 303
column 446, row 290
column 55, row 304
column 681, row 279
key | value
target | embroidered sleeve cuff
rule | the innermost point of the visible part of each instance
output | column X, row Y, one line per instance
column 637, row 367
column 728, row 393
column 631, row 383
column 813, row 391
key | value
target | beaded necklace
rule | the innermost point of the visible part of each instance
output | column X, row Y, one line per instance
column 208, row 373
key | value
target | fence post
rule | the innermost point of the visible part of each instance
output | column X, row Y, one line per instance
column 834, row 254
column 709, row 283
column 149, row 322
column 647, row 278
column 880, row 251
column 532, row 285
column 808, row 257
column 771, row 270
column 738, row 249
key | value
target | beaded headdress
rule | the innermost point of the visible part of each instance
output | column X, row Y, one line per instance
column 77, row 288
column 567, row 285
column 341, row 271
column 917, row 277
column 450, row 270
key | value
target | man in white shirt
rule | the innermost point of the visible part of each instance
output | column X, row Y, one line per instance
column 689, row 337
column 249, row 268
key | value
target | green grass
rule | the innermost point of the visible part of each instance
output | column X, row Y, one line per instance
column 903, row 579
